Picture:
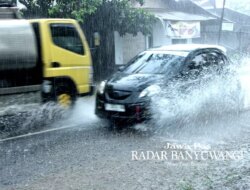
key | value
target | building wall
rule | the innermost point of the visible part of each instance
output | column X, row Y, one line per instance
column 244, row 41
column 128, row 46
column 159, row 36
column 232, row 40
column 118, row 49
column 132, row 45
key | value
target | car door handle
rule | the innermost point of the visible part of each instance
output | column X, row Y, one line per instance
column 55, row 65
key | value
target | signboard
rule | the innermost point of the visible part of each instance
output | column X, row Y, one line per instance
column 228, row 26
column 182, row 30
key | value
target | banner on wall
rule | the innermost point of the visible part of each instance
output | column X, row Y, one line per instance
column 181, row 29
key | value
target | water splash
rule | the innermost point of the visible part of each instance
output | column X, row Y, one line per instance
column 82, row 115
column 21, row 119
column 209, row 110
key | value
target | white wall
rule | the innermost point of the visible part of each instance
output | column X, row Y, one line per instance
column 128, row 46
column 132, row 45
column 159, row 37
column 118, row 49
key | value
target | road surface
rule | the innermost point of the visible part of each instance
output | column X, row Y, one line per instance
column 80, row 152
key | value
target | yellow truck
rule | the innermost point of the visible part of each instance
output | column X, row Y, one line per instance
column 51, row 55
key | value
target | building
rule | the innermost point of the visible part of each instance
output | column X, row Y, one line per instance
column 235, row 29
column 178, row 21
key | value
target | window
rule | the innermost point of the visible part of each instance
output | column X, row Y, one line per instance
column 149, row 63
column 207, row 62
column 67, row 37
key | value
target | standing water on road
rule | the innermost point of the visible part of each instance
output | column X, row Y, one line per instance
column 24, row 114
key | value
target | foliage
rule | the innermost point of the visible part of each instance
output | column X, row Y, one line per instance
column 119, row 16
column 74, row 9
column 111, row 15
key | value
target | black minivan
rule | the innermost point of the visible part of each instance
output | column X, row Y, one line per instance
column 126, row 95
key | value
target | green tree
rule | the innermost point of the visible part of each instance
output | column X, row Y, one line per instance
column 112, row 15
column 77, row 9
column 117, row 15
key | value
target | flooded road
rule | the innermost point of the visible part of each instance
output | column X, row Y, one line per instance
column 50, row 148
column 88, row 155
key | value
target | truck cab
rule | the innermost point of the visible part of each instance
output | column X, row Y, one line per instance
column 65, row 58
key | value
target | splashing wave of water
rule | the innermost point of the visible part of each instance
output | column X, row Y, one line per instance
column 205, row 109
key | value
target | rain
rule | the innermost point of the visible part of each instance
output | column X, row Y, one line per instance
column 90, row 99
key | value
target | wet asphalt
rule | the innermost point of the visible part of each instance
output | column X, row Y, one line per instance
column 79, row 151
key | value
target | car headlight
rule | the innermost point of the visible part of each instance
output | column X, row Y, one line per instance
column 150, row 91
column 102, row 87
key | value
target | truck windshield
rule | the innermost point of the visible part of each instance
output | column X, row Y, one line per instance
column 67, row 37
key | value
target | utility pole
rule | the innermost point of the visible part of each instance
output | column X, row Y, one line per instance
column 221, row 22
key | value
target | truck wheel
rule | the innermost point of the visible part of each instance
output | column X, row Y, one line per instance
column 65, row 96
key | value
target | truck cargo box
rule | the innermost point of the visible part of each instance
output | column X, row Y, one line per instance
column 18, row 48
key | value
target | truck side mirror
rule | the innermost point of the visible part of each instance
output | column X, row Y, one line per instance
column 97, row 39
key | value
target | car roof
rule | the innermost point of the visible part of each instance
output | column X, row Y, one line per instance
column 188, row 47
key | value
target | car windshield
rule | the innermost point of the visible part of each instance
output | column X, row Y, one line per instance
column 155, row 63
